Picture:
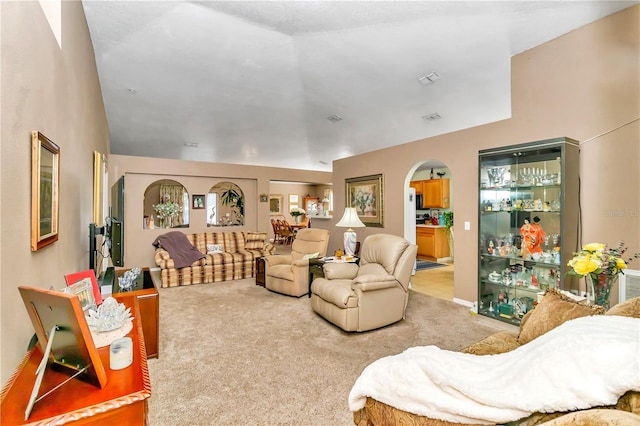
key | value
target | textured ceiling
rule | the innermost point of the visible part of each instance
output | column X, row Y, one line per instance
column 255, row 82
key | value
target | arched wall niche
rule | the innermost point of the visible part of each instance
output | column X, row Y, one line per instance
column 225, row 205
column 162, row 198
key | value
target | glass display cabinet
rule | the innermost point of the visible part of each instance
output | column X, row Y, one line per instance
column 528, row 224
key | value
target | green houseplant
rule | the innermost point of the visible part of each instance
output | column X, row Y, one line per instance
column 448, row 224
column 234, row 199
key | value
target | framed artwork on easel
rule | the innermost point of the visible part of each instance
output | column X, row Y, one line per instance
column 64, row 338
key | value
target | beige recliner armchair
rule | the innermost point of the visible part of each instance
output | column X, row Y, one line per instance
column 289, row 274
column 371, row 295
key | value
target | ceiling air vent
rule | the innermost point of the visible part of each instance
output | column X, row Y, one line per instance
column 428, row 78
column 334, row 118
column 191, row 144
column 431, row 117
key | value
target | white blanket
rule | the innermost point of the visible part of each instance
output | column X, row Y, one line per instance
column 583, row 363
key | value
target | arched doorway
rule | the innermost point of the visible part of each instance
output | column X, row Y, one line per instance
column 429, row 224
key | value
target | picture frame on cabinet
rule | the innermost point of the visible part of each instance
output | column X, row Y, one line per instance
column 45, row 187
column 366, row 194
column 64, row 338
column 90, row 276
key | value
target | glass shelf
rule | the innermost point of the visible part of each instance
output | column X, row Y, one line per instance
column 524, row 233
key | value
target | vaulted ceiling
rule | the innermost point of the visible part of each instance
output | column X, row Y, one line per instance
column 299, row 84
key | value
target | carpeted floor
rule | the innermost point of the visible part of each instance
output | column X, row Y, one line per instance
column 234, row 353
column 426, row 264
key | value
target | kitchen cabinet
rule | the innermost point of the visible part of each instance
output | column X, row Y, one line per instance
column 435, row 193
column 417, row 185
column 527, row 224
column 432, row 242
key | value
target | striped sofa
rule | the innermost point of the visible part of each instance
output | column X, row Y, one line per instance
column 236, row 261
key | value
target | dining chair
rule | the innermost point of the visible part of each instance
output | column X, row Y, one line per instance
column 277, row 236
column 287, row 232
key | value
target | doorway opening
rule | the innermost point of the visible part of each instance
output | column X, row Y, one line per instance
column 429, row 224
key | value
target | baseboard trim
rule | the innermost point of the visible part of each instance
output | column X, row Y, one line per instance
column 463, row 302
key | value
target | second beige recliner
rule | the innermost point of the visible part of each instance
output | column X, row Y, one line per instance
column 371, row 295
column 289, row 274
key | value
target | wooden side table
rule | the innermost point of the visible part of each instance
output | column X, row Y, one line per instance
column 148, row 297
column 122, row 401
column 315, row 271
column 260, row 272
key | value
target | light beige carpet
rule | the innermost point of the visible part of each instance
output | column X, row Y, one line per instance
column 234, row 353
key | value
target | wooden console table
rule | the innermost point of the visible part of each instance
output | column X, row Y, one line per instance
column 123, row 400
column 146, row 292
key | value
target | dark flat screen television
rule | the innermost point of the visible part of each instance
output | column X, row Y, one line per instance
column 113, row 232
column 116, row 234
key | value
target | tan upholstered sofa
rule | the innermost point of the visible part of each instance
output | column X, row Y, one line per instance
column 232, row 258
column 552, row 311
column 370, row 295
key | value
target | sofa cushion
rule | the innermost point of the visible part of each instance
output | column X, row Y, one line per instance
column 628, row 308
column 234, row 242
column 595, row 416
column 281, row 271
column 254, row 240
column 337, row 292
column 203, row 239
column 497, row 343
column 553, row 310
column 214, row 248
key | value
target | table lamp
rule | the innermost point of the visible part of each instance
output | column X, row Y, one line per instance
column 350, row 220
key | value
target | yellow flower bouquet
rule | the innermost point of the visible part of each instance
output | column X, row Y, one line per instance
column 601, row 265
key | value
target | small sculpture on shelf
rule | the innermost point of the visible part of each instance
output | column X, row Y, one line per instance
column 532, row 237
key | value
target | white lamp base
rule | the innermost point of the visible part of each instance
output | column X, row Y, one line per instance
column 350, row 242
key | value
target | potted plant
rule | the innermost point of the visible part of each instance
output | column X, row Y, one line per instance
column 448, row 224
column 234, row 199
column 297, row 213
column 167, row 211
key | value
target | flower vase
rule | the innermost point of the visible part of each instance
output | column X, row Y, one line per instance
column 600, row 288
column 168, row 221
column 297, row 219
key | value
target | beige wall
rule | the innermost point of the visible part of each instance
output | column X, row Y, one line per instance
column 197, row 177
column 55, row 91
column 580, row 85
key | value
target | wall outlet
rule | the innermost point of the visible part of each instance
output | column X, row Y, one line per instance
column 467, row 226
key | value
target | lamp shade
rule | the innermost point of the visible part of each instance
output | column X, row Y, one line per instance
column 350, row 219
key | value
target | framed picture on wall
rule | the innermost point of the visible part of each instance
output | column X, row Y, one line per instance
column 366, row 195
column 45, row 187
column 198, row 202
column 275, row 204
